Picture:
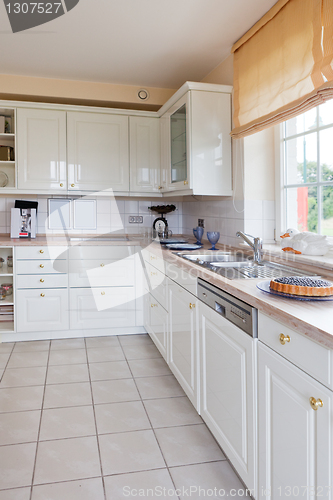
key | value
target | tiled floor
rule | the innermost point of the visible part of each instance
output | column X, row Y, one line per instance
column 101, row 419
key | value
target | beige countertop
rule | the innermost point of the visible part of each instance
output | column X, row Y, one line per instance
column 312, row 318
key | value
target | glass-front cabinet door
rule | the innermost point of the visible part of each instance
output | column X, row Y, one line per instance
column 179, row 144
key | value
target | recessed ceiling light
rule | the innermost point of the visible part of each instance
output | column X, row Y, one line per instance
column 143, row 94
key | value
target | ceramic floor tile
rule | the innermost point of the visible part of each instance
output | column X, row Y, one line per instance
column 171, row 412
column 61, row 423
column 17, row 494
column 121, row 417
column 130, row 452
column 86, row 489
column 149, row 367
column 21, row 399
column 16, row 377
column 19, row 427
column 188, row 445
column 138, row 339
column 109, row 370
column 119, row 486
column 66, row 460
column 16, row 465
column 159, row 387
column 102, row 354
column 114, row 391
column 63, row 344
column 6, row 347
column 26, row 359
column 67, row 357
column 98, row 342
column 63, row 395
column 32, row 346
column 207, row 477
column 4, row 357
column 141, row 351
column 64, row 374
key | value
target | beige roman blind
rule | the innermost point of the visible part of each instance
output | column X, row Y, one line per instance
column 283, row 65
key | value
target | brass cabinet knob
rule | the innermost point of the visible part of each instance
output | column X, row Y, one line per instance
column 61, row 185
column 185, row 183
column 153, row 274
column 284, row 338
column 41, row 280
column 316, row 403
column 102, row 293
column 41, row 251
column 102, row 265
column 41, row 265
column 153, row 305
column 192, row 306
column 160, row 187
column 42, row 294
column 72, row 185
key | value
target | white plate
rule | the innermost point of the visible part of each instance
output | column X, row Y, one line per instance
column 3, row 179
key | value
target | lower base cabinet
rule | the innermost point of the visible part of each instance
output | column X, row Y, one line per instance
column 102, row 307
column 295, row 440
column 42, row 310
column 228, row 381
column 157, row 325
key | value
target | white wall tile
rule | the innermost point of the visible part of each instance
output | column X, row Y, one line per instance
column 269, row 226
column 131, row 207
column 103, row 206
column 253, row 209
column 254, row 228
column 269, row 210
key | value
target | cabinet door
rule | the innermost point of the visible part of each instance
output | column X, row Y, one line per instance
column 158, row 326
column 42, row 310
column 295, row 441
column 97, row 152
column 227, row 390
column 144, row 154
column 184, row 340
column 41, row 147
column 102, row 308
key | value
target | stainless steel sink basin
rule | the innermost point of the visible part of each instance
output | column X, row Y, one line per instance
column 215, row 257
column 100, row 238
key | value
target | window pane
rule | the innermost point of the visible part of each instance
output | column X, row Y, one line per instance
column 326, row 113
column 301, row 159
column 326, row 154
column 301, row 123
column 327, row 211
column 302, row 208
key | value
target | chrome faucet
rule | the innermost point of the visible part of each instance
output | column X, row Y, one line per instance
column 256, row 245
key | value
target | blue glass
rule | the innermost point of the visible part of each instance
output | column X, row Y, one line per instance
column 198, row 233
column 213, row 238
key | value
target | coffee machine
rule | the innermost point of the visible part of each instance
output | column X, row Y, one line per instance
column 23, row 219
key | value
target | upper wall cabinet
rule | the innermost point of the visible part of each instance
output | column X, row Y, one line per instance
column 98, row 156
column 144, row 154
column 196, row 127
column 41, row 149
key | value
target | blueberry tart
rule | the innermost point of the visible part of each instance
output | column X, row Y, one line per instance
column 299, row 285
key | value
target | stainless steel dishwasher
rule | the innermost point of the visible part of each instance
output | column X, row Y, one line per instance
column 228, row 345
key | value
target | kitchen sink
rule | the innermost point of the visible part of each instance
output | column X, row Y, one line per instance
column 100, row 238
column 215, row 257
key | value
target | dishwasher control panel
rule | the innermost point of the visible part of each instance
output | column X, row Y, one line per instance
column 235, row 310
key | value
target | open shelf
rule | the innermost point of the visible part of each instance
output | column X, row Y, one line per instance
column 7, row 326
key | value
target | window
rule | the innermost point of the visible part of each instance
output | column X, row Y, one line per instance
column 308, row 171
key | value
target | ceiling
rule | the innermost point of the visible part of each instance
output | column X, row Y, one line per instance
column 153, row 43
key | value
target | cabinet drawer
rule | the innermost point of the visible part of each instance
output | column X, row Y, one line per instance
column 158, row 285
column 102, row 308
column 183, row 278
column 315, row 359
column 41, row 266
column 42, row 252
column 45, row 281
column 100, row 252
column 96, row 273
column 42, row 310
column 154, row 259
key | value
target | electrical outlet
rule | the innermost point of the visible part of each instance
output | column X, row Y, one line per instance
column 201, row 222
column 135, row 219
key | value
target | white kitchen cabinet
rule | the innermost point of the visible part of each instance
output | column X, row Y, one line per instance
column 41, row 149
column 97, row 152
column 144, row 154
column 42, row 310
column 94, row 273
column 199, row 141
column 183, row 340
column 227, row 402
column 156, row 321
column 295, row 441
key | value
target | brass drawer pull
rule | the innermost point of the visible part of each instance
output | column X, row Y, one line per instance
column 41, row 251
column 316, row 403
column 61, row 185
column 153, row 274
column 284, row 339
column 192, row 306
column 102, row 265
column 41, row 265
column 42, row 294
column 72, row 185
column 153, row 305
column 185, row 183
column 102, row 293
column 41, row 280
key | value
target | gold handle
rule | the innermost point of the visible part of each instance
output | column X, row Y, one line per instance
column 160, row 187
column 153, row 274
column 185, row 183
column 152, row 258
column 284, row 338
column 192, row 306
column 102, row 293
column 41, row 265
column 61, row 185
column 153, row 305
column 316, row 403
column 41, row 251
column 42, row 294
column 72, row 185
column 41, row 280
